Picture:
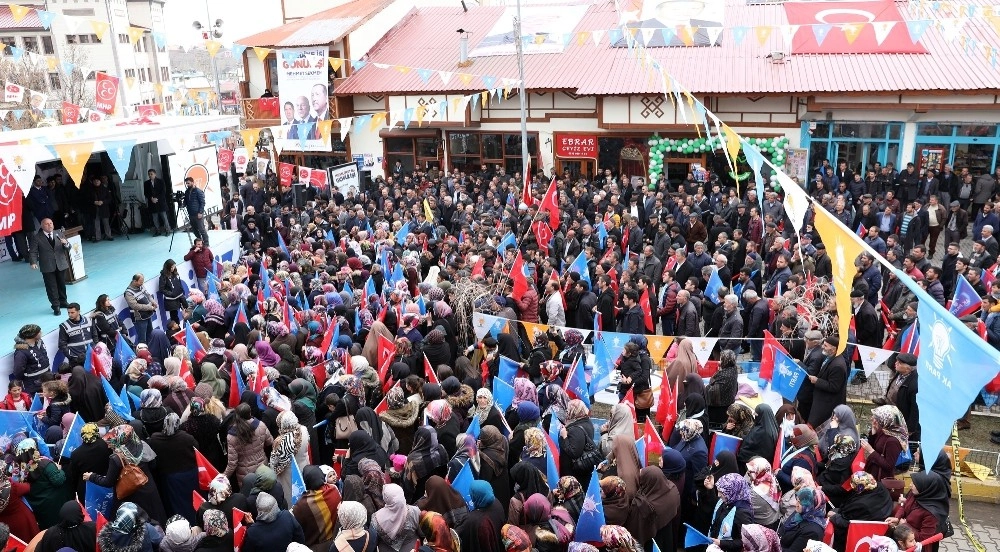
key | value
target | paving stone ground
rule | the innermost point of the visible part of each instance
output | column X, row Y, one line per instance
column 983, row 519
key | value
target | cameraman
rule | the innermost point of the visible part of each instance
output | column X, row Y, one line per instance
column 194, row 202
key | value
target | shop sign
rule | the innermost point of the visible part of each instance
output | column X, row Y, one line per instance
column 576, row 145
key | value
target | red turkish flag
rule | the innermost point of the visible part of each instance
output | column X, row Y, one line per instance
column 225, row 159
column 268, row 106
column 106, row 93
column 550, row 203
column 518, row 277
column 260, row 381
column 16, row 544
column 383, row 405
column 186, row 373
column 70, row 113
column 234, row 388
column 669, row 407
column 285, row 173
column 432, row 376
column 858, row 464
column 318, row 178
column 196, row 501
column 99, row 524
column 477, row 269
column 767, row 355
column 206, row 471
column 386, row 352
column 526, row 191
column 654, row 445
column 239, row 530
column 543, row 235
column 150, row 110
column 647, row 309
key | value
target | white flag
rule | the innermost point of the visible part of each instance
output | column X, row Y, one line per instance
column 703, row 347
column 872, row 357
column 482, row 324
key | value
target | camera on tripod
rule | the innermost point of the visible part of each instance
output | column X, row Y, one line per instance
column 178, row 197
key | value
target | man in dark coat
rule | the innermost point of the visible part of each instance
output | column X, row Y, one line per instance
column 902, row 392
column 606, row 304
column 585, row 310
column 632, row 322
column 157, row 198
column 50, row 254
column 756, row 322
column 830, row 383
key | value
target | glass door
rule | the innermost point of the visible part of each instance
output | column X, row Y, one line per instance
column 858, row 155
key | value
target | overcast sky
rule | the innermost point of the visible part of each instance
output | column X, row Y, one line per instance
column 241, row 18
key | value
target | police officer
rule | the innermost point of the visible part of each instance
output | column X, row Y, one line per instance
column 75, row 334
column 31, row 360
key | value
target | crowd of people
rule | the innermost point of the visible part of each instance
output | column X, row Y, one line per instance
column 340, row 347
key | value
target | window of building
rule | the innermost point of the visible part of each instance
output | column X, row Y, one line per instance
column 71, row 39
column 164, row 73
column 47, row 47
column 142, row 74
column 859, row 144
column 130, row 73
column 168, row 103
column 122, row 38
column 470, row 150
column 413, row 152
column 7, row 41
column 55, row 83
column 961, row 145
column 31, row 44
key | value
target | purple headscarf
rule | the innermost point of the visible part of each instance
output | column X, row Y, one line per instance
column 524, row 391
column 266, row 354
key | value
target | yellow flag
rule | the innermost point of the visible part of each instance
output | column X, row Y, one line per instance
column 336, row 63
column 261, row 53
column 658, row 345
column 19, row 12
column 419, row 113
column 74, row 157
column 130, row 81
column 402, row 69
column 851, row 31
column 686, row 34
column 530, row 329
column 213, row 47
column 428, row 213
column 250, row 137
column 582, row 37
column 732, row 144
column 843, row 247
column 763, row 33
column 158, row 86
column 466, row 78
column 378, row 119
column 100, row 28
column 324, row 127
column 52, row 62
column 484, row 98
column 135, row 34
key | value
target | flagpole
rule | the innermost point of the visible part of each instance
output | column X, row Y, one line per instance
column 521, row 95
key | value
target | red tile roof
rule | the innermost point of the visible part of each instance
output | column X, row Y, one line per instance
column 29, row 21
column 325, row 27
column 726, row 69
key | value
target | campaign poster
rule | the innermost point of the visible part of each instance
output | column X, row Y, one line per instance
column 201, row 164
column 304, row 96
column 345, row 177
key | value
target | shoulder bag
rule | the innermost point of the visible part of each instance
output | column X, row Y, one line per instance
column 344, row 426
column 131, row 479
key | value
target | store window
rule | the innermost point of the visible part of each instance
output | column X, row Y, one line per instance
column 859, row 144
column 972, row 146
column 412, row 152
column 468, row 151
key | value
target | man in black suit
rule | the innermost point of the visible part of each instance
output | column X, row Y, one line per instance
column 157, row 198
column 50, row 253
column 830, row 383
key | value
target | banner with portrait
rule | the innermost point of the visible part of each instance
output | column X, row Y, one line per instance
column 304, row 95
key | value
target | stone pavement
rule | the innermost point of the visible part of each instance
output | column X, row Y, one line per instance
column 983, row 519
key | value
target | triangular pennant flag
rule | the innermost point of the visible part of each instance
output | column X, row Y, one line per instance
column 872, row 357
column 591, row 517
column 74, row 158
column 739, row 34
column 100, row 28
column 851, row 31
column 821, row 32
column 46, row 17
column 762, row 32
column 713, row 34
column 703, row 347
column 917, row 29
column 261, row 53
column 596, row 36
column 788, row 34
column 882, row 30
column 120, row 152
column 647, row 36
column 18, row 11
column 843, row 247
column 135, row 34
column 357, row 64
column 250, row 137
column 213, row 47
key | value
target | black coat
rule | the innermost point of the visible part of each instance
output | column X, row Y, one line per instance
column 906, row 402
column 830, row 389
column 869, row 325
column 606, row 306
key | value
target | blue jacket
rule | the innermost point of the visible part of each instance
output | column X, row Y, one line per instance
column 194, row 201
column 275, row 535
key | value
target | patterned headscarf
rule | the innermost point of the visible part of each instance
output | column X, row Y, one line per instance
column 524, row 391
column 734, row 489
column 802, row 477
column 613, row 486
column 352, row 515
column 690, row 428
column 215, row 523
column 396, row 398
column 219, row 489
column 354, row 386
column 572, row 338
column 616, row 537
column 534, row 443
column 812, row 504
column 863, row 481
column 515, row 539
column 568, row 487
column 581, row 547
column 439, row 411
column 843, row 446
column 759, row 475
column 150, row 398
column 125, row 519
column 126, row 443
column 576, row 410
column 558, row 401
column 757, row 538
column 90, row 433
column 551, row 369
column 892, row 423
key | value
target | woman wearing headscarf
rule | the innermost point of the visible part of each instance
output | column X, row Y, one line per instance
column 401, row 417
column 262, row 480
column 445, row 423
column 739, row 420
column 481, row 530
column 86, row 394
column 524, row 391
column 766, row 492
column 731, row 511
column 762, row 437
column 159, row 345
column 623, row 462
column 362, row 446
column 246, row 439
column 548, row 397
column 535, row 449
column 210, row 375
column 801, row 454
column 71, row 531
column 653, row 508
column 353, row 536
column 91, row 456
column 205, row 429
column 427, row 458
column 127, row 449
column 867, row 500
column 887, row 441
column 683, row 365
column 180, row 536
column 442, row 498
column 801, row 478
column 265, row 354
column 178, row 477
column 485, row 410
column 48, row 483
column 129, row 531
column 926, row 507
column 316, row 509
column 758, row 538
column 221, row 497
column 548, row 534
column 437, row 536
column 370, row 349
column 840, row 457
column 14, row 511
column 151, row 411
column 842, row 421
column 576, row 439
column 721, row 389
column 272, row 528
column 807, row 523
column 493, row 463
column 568, row 495
column 695, row 452
column 467, row 454
column 180, row 395
column 616, row 498
column 526, row 415
column 217, row 536
column 369, row 422
column 526, row 480
column 291, row 445
column 396, row 523
column 621, row 423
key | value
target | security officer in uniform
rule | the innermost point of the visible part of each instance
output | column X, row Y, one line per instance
column 75, row 334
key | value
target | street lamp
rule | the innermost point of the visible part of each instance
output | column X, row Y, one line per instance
column 208, row 33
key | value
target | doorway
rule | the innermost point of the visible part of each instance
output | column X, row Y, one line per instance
column 859, row 156
column 631, row 162
column 576, row 168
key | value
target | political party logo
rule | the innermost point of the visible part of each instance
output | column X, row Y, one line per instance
column 199, row 173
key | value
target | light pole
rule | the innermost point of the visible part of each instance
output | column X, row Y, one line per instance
column 519, row 44
column 211, row 33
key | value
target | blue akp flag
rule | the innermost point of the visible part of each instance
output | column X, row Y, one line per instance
column 402, row 233
column 281, row 244
column 591, row 519
column 73, row 438
column 640, row 449
column 397, row 274
column 384, row 261
column 213, row 290
column 241, row 317
column 788, row 376
column 694, row 537
column 576, row 382
column 954, row 365
column 115, row 401
column 13, row 422
column 123, row 351
column 298, row 484
column 602, row 232
column 330, row 237
column 37, row 403
column 503, row 394
column 463, row 483
column 600, row 375
column 505, row 242
column 98, row 500
column 713, row 286
column 422, row 305
column 579, row 265
column 348, row 288
column 369, row 290
column 551, row 461
column 475, row 427
column 507, row 369
column 966, row 299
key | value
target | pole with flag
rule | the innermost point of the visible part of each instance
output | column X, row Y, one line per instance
column 591, row 518
column 206, row 471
